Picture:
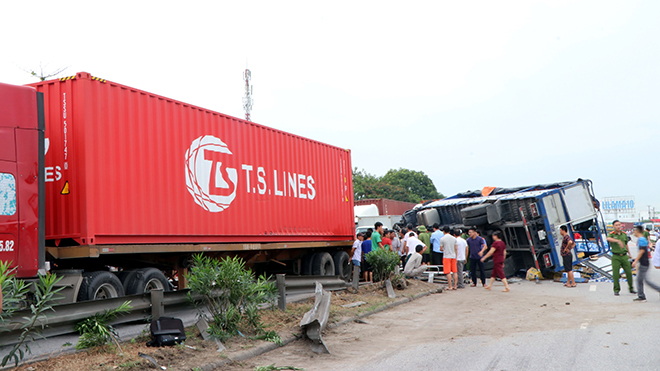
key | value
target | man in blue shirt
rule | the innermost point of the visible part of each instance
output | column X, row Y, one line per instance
column 436, row 253
column 477, row 246
column 643, row 260
column 366, row 249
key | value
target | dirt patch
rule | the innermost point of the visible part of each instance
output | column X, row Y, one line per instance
column 197, row 352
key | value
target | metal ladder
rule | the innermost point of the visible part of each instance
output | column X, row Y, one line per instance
column 605, row 270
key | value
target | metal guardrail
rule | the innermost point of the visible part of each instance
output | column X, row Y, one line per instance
column 294, row 285
column 307, row 284
column 64, row 317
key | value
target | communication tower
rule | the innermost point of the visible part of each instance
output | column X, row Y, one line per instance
column 247, row 99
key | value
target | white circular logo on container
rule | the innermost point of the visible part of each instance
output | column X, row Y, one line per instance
column 209, row 179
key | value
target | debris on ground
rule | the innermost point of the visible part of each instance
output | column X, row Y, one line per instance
column 353, row 305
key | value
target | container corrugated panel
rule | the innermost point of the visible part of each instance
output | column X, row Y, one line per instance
column 387, row 206
column 126, row 166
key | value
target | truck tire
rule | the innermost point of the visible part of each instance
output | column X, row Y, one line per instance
column 125, row 277
column 145, row 280
column 342, row 264
column 100, row 285
column 323, row 265
column 306, row 264
column 474, row 211
column 477, row 220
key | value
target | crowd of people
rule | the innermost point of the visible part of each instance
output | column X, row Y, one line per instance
column 422, row 246
column 622, row 257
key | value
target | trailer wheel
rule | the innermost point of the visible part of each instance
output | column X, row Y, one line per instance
column 477, row 220
column 323, row 265
column 145, row 280
column 100, row 285
column 307, row 261
column 342, row 264
column 125, row 277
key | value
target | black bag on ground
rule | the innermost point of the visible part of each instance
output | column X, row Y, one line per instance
column 166, row 331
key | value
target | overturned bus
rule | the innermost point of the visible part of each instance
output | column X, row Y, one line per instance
column 529, row 218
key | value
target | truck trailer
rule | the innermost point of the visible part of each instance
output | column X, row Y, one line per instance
column 116, row 188
column 529, row 218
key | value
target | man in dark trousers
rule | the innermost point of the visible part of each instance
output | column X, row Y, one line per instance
column 567, row 245
column 619, row 244
column 477, row 246
column 643, row 260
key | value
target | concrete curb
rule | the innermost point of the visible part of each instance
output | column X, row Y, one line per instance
column 265, row 348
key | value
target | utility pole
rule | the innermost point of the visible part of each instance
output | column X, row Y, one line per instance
column 247, row 99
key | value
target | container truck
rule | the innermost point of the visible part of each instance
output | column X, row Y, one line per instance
column 115, row 188
column 529, row 217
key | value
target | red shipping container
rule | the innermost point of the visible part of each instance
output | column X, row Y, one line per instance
column 387, row 206
column 124, row 166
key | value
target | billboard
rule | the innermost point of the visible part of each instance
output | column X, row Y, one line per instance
column 620, row 207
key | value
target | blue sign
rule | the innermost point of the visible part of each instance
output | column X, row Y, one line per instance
column 618, row 204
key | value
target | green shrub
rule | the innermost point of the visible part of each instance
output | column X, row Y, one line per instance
column 383, row 262
column 230, row 293
column 95, row 331
column 15, row 297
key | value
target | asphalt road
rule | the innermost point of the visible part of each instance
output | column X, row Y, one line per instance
column 530, row 328
column 621, row 346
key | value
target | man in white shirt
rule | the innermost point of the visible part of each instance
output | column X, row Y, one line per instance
column 414, row 266
column 406, row 232
column 412, row 242
column 448, row 247
column 356, row 251
column 461, row 253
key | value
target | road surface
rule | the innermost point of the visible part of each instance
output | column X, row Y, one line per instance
column 534, row 327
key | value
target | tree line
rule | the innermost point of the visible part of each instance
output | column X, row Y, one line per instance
column 402, row 185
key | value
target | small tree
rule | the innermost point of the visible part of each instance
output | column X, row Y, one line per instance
column 231, row 294
column 383, row 262
column 15, row 297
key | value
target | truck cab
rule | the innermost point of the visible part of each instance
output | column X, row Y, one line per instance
column 21, row 179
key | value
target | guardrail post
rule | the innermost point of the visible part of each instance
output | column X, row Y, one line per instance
column 281, row 289
column 157, row 305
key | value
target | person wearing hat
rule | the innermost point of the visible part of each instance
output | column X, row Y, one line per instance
column 425, row 237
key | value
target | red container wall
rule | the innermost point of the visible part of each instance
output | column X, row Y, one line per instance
column 127, row 166
column 387, row 206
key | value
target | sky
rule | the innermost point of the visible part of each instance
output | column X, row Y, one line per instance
column 474, row 94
